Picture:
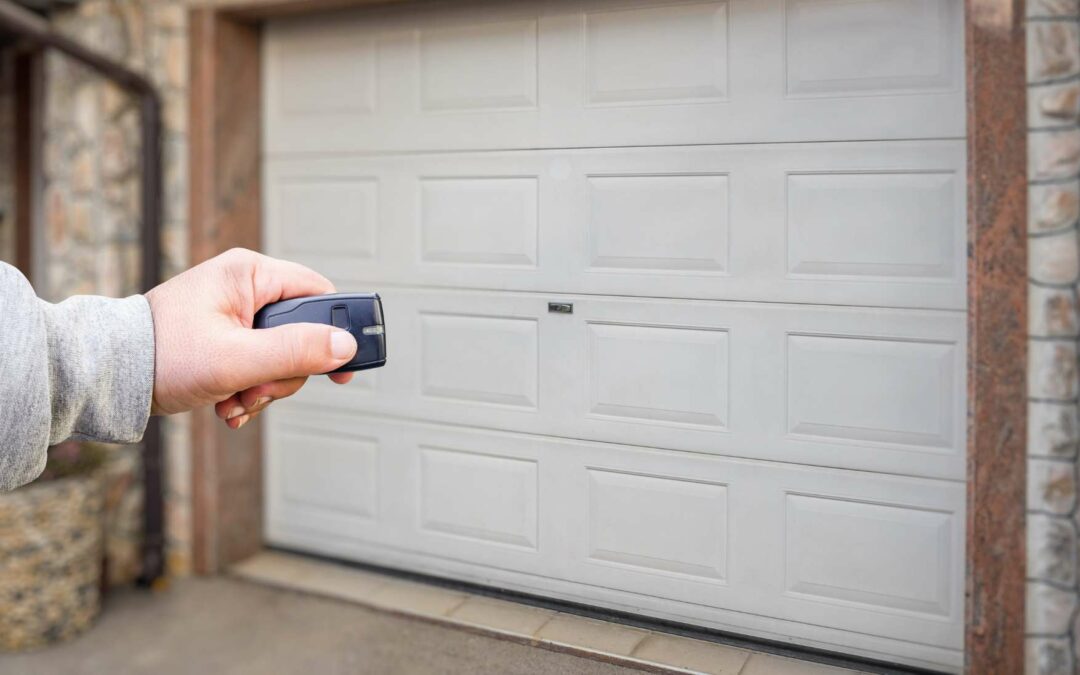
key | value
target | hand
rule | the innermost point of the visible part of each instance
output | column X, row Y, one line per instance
column 207, row 352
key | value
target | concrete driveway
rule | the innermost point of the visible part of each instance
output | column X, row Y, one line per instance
column 225, row 626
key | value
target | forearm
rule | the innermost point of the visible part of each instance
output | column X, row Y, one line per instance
column 83, row 368
column 92, row 367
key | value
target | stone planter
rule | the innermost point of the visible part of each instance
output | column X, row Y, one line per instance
column 51, row 545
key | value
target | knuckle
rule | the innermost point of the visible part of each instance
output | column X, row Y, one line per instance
column 236, row 269
column 238, row 256
column 239, row 252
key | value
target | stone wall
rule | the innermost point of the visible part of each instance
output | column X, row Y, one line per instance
column 89, row 242
column 1053, row 385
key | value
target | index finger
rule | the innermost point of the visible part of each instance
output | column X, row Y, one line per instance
column 276, row 280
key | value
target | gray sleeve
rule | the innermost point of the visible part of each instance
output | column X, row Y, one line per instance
column 82, row 368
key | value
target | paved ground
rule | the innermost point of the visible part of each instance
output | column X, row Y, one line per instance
column 226, row 626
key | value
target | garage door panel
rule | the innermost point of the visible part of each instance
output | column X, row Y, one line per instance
column 484, row 66
column 900, row 46
column 479, row 221
column 890, row 400
column 653, row 55
column 326, row 481
column 479, row 496
column 874, row 571
column 330, row 72
column 866, row 223
column 662, row 222
column 461, row 495
column 873, row 390
column 879, row 555
column 479, row 358
column 881, row 390
column 856, row 549
column 504, row 512
column 890, row 224
column 657, row 524
column 306, row 484
column 327, row 215
column 644, row 372
column 614, row 72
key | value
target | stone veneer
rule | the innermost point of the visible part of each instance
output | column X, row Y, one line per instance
column 89, row 242
column 1053, row 624
column 50, row 563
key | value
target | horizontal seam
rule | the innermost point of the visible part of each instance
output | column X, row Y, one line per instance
column 1052, row 233
column 1061, row 180
column 1052, row 128
column 1064, row 79
column 1068, row 285
column 1053, row 18
column 1053, row 460
column 1052, row 584
column 1044, row 512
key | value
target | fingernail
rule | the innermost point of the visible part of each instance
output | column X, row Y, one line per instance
column 342, row 344
column 261, row 401
column 242, row 421
column 235, row 412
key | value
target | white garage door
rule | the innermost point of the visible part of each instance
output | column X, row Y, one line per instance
column 753, row 418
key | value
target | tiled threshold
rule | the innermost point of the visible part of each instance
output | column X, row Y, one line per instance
column 646, row 650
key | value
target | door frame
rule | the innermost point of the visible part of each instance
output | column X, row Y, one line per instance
column 225, row 211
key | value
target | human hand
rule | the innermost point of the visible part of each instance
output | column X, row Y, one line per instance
column 207, row 352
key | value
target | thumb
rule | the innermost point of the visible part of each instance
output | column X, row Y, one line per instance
column 292, row 350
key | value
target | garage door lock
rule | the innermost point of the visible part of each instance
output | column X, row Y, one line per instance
column 561, row 307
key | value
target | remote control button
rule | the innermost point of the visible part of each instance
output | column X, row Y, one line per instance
column 339, row 317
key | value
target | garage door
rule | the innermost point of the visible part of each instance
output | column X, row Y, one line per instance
column 676, row 306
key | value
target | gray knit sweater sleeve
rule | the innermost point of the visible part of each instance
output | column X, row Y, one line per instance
column 82, row 368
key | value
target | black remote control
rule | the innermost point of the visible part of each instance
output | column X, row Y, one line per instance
column 359, row 313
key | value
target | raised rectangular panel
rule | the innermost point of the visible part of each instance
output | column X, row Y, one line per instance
column 873, row 390
column 478, row 496
column 670, row 54
column 659, row 222
column 655, row 373
column 479, row 220
column 484, row 66
column 326, row 69
column 336, row 216
column 889, row 557
column 331, row 473
column 844, row 47
column 889, row 224
column 485, row 359
column 659, row 523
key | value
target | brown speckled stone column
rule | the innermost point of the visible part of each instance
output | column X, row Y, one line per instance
column 997, row 319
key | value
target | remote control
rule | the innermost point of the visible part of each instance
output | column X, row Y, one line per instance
column 359, row 313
